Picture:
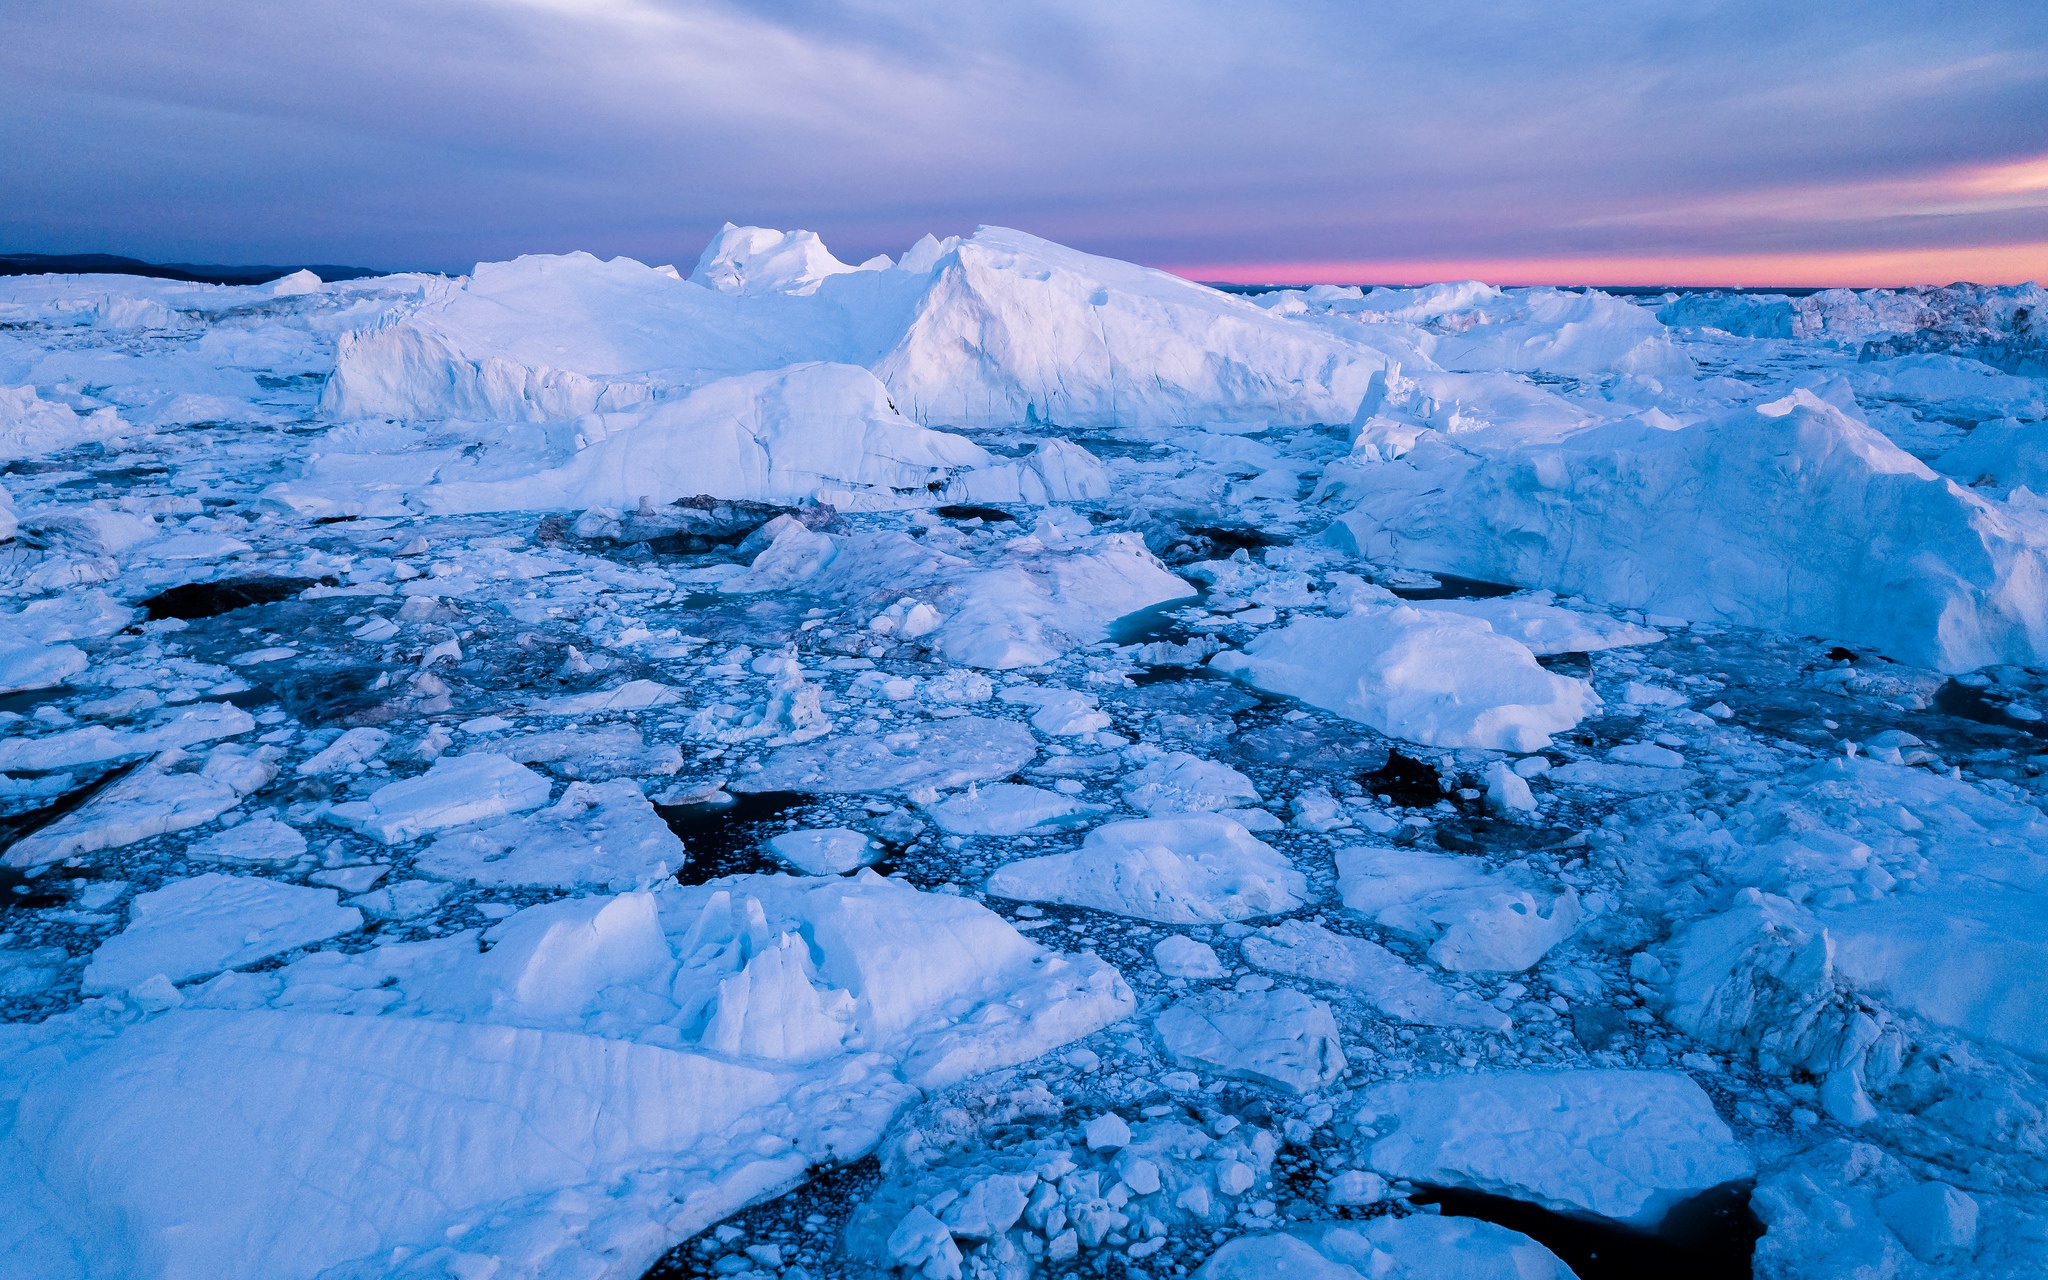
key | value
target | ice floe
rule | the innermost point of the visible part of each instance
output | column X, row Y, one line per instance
column 1619, row 1144
column 1439, row 678
column 1198, row 868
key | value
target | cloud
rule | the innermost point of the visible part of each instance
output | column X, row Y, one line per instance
column 435, row 132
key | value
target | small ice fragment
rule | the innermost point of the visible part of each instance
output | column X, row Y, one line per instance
column 828, row 851
column 1107, row 1132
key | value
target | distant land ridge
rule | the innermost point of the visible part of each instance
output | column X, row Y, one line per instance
column 107, row 264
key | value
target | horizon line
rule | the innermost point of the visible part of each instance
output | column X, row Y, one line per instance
column 2011, row 264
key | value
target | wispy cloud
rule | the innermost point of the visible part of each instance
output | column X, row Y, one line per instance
column 1199, row 132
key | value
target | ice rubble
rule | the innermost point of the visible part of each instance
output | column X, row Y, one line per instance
column 612, row 1075
column 1638, row 829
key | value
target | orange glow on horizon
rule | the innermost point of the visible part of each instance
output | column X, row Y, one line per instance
column 1860, row 269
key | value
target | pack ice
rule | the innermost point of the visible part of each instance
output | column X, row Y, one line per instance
column 996, row 762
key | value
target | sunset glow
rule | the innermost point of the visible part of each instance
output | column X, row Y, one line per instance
column 1994, row 264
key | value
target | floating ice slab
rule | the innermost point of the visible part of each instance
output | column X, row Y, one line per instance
column 1176, row 782
column 1628, row 779
column 1438, row 678
column 598, row 833
column 634, row 695
column 1279, row 1037
column 1474, row 920
column 354, row 746
column 1036, row 603
column 1301, row 949
column 96, row 744
column 1010, row 809
column 212, row 922
column 27, row 665
column 945, row 754
column 259, row 840
column 1419, row 1247
column 1181, row 957
column 173, row 792
column 1545, row 627
column 1625, row 1145
column 827, row 851
column 451, row 793
column 1195, row 869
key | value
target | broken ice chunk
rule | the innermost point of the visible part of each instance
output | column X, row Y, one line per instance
column 26, row 665
column 1475, row 920
column 1628, row 779
column 1276, row 1037
column 592, row 754
column 451, row 793
column 1638, row 694
column 1010, row 809
column 1419, row 1247
column 1182, row 957
column 96, row 743
column 263, row 840
column 946, row 754
column 1431, row 677
column 1537, row 621
column 1625, row 1145
column 634, row 695
column 402, row 901
column 212, row 922
column 1304, row 950
column 166, row 794
column 827, row 851
column 1176, row 782
column 1936, row 1222
column 1507, row 793
column 597, row 833
column 1196, row 869
column 356, row 746
column 1648, row 755
column 1063, row 713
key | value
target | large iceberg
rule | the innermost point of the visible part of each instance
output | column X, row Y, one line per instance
column 996, row 330
column 1791, row 516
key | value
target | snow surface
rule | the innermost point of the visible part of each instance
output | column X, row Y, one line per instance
column 1623, row 1145
column 417, row 691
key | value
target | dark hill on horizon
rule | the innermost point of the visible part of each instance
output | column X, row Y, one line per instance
column 107, row 264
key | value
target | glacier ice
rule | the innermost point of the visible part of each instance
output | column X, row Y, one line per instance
column 1000, row 762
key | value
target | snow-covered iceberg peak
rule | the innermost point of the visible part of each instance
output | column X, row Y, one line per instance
column 1015, row 329
column 742, row 260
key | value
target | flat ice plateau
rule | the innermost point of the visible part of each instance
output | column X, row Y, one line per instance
column 1004, row 763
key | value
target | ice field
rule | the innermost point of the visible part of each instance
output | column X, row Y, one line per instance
column 1003, row 762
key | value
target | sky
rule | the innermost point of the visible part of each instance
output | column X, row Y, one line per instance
column 1755, row 142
